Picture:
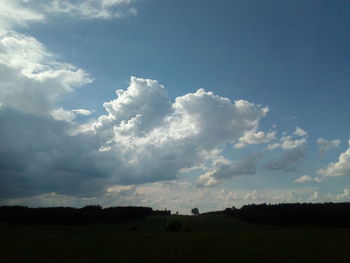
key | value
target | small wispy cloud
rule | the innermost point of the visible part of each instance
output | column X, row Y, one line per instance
column 303, row 179
column 325, row 145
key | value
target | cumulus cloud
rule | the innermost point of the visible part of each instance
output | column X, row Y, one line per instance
column 157, row 138
column 32, row 79
column 287, row 161
column 215, row 118
column 255, row 138
column 339, row 168
column 137, row 110
column 325, row 145
column 289, row 142
column 299, row 132
column 224, row 169
column 303, row 179
column 143, row 138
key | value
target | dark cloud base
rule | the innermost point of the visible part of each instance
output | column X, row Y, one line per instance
column 38, row 156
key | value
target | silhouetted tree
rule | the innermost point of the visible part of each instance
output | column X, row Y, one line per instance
column 195, row 211
column 230, row 211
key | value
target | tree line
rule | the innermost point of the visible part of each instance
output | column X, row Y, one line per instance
column 92, row 214
column 332, row 214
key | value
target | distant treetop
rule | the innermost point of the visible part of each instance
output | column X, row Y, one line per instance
column 195, row 211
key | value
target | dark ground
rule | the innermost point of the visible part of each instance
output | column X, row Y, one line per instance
column 203, row 239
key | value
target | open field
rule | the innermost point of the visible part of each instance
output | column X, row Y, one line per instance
column 204, row 239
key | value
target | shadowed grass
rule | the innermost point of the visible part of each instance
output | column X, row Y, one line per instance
column 208, row 239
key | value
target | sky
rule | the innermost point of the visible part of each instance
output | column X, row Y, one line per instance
column 174, row 104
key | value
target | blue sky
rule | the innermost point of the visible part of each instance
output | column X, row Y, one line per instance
column 232, row 102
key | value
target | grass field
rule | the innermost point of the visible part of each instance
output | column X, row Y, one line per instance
column 205, row 239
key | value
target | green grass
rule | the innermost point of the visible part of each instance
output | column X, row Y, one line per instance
column 206, row 239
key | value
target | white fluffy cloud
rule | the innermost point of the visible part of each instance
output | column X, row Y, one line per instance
column 83, row 112
column 299, row 132
column 61, row 114
column 288, row 142
column 32, row 79
column 136, row 111
column 255, row 138
column 325, row 145
column 339, row 168
column 143, row 138
column 156, row 138
column 303, row 179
